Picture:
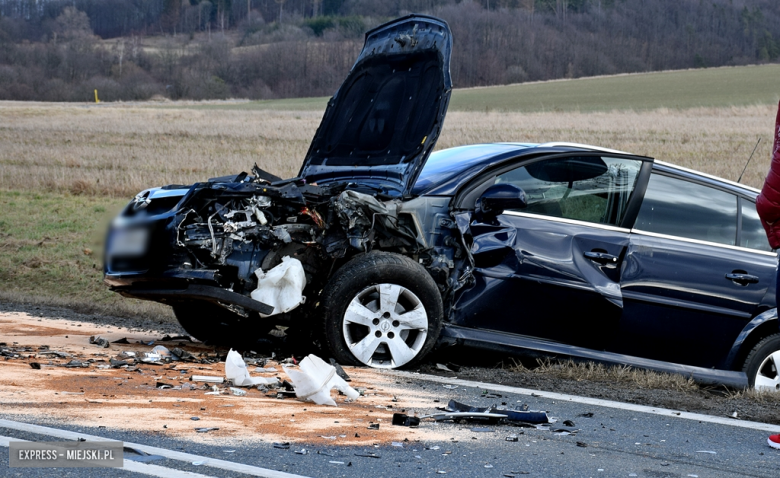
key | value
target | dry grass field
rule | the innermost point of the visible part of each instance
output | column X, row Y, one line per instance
column 117, row 150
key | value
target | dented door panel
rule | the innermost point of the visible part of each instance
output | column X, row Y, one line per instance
column 546, row 278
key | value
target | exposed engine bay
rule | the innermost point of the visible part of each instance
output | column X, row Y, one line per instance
column 237, row 225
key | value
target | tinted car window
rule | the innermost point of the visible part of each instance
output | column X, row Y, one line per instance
column 587, row 188
column 682, row 208
column 753, row 235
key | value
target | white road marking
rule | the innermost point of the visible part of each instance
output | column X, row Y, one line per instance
column 665, row 412
column 152, row 450
column 135, row 467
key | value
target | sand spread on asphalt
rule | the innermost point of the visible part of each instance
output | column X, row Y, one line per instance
column 98, row 396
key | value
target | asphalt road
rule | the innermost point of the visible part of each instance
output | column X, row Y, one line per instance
column 612, row 442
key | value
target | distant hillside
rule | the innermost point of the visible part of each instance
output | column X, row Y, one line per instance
column 681, row 89
column 62, row 50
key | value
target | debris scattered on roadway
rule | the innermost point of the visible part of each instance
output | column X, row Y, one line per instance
column 134, row 454
column 512, row 438
column 582, row 444
column 340, row 371
column 207, row 378
column 456, row 411
column 368, row 455
column 707, row 451
column 76, row 364
column 99, row 341
column 164, row 353
column 315, row 379
column 35, row 365
column 403, row 420
column 238, row 375
column 237, row 392
column 282, row 445
column 194, row 418
column 373, row 426
column 206, row 429
column 302, row 451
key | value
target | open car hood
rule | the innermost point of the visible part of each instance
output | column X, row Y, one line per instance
column 384, row 120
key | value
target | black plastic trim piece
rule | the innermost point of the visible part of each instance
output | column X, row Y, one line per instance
column 490, row 339
column 202, row 292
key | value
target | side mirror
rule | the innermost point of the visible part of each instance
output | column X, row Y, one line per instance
column 499, row 197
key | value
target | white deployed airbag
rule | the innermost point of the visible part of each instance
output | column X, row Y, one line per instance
column 281, row 287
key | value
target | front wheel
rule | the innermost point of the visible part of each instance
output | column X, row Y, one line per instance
column 382, row 310
column 762, row 364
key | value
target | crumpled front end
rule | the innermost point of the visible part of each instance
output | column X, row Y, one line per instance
column 224, row 237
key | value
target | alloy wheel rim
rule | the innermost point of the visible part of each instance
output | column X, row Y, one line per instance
column 767, row 377
column 385, row 326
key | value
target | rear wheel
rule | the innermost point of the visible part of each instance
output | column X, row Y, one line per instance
column 382, row 310
column 762, row 364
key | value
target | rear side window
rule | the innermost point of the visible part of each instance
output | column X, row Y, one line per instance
column 587, row 188
column 685, row 209
column 753, row 235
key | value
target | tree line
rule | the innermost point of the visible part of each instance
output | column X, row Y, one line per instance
column 57, row 50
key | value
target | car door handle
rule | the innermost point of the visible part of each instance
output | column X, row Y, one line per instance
column 601, row 257
column 742, row 279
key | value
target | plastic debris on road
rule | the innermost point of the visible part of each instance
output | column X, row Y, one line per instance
column 206, row 378
column 315, row 379
column 236, row 372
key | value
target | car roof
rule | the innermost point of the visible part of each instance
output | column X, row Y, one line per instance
column 446, row 165
column 707, row 178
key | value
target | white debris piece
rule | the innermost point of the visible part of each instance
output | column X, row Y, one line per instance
column 315, row 380
column 281, row 287
column 236, row 372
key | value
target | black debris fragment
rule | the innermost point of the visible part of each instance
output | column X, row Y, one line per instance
column 117, row 363
column 368, row 455
column 340, row 371
column 76, row 364
column 123, row 340
column 404, row 420
column 168, row 338
column 373, row 426
column 206, row 430
column 582, row 444
column 134, row 454
column 569, row 423
column 194, row 418
column 282, row 445
column 586, row 415
column 35, row 365
column 512, row 438
column 99, row 341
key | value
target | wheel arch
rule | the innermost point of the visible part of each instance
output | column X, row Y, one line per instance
column 762, row 325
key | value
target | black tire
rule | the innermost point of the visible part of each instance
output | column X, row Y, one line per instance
column 756, row 361
column 362, row 279
column 215, row 325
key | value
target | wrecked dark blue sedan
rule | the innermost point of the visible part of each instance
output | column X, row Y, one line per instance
column 381, row 250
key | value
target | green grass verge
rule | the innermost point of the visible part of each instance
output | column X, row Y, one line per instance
column 712, row 87
column 51, row 253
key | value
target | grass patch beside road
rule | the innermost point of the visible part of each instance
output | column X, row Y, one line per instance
column 51, row 253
